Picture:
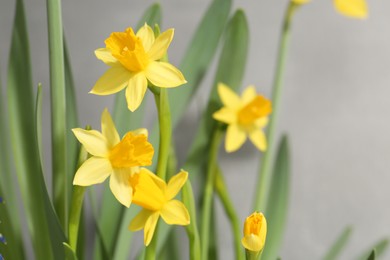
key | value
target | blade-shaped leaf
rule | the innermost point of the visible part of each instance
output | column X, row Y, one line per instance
column 276, row 212
column 339, row 244
column 372, row 256
column 42, row 221
column 235, row 52
column 379, row 248
column 112, row 210
column 69, row 254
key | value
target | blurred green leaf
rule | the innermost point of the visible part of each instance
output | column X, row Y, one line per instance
column 231, row 68
column 199, row 55
column 125, row 120
column 339, row 244
column 380, row 247
column 69, row 254
column 372, row 255
column 41, row 219
column 277, row 210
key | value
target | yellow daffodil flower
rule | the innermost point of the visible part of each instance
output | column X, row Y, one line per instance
column 255, row 232
column 245, row 116
column 352, row 8
column 113, row 157
column 156, row 198
column 134, row 60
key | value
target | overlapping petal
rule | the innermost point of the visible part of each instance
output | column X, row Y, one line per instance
column 164, row 75
column 120, row 186
column 150, row 226
column 105, row 55
column 139, row 220
column 352, row 8
column 93, row 171
column 228, row 97
column 93, row 141
column 147, row 36
column 113, row 80
column 160, row 45
column 108, row 129
column 258, row 139
column 175, row 213
column 175, row 184
column 135, row 91
column 235, row 137
column 226, row 115
column 252, row 243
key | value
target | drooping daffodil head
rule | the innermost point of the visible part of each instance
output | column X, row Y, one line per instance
column 245, row 116
column 113, row 157
column 134, row 60
column 157, row 199
column 255, row 232
column 352, row 8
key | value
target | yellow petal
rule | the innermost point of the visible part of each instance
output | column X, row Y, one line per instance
column 175, row 213
column 235, row 137
column 228, row 97
column 249, row 94
column 92, row 171
column 261, row 122
column 258, row 139
column 93, row 141
column 157, row 180
column 113, row 80
column 120, row 186
column 141, row 131
column 226, row 115
column 175, row 184
column 108, row 129
column 147, row 36
column 161, row 44
column 252, row 243
column 139, row 221
column 150, row 226
column 164, row 75
column 135, row 91
column 352, row 8
column 105, row 55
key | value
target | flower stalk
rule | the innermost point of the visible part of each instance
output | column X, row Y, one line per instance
column 263, row 184
column 209, row 190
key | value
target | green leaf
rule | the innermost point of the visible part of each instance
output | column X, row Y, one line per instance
column 125, row 120
column 199, row 55
column 379, row 248
column 41, row 219
column 372, row 255
column 58, row 111
column 338, row 245
column 277, row 210
column 235, row 52
column 69, row 254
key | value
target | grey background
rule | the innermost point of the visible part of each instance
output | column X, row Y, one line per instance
column 335, row 106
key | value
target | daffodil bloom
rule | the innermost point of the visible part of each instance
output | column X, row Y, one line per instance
column 157, row 199
column 255, row 232
column 352, row 8
column 245, row 116
column 113, row 157
column 134, row 60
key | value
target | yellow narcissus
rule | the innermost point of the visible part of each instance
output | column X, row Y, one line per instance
column 113, row 157
column 157, row 199
column 134, row 60
column 255, row 232
column 352, row 8
column 245, row 116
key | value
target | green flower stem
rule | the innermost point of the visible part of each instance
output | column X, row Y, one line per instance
column 223, row 194
column 192, row 228
column 250, row 255
column 58, row 115
column 263, row 184
column 77, row 203
column 208, row 191
column 164, row 119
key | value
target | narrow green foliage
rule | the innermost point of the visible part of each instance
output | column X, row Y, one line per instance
column 276, row 213
column 337, row 247
column 192, row 228
column 38, row 121
column 235, row 52
column 125, row 120
column 69, row 253
column 372, row 256
column 199, row 55
column 58, row 110
column 42, row 221
column 379, row 248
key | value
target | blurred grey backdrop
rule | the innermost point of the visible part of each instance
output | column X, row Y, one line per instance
column 335, row 107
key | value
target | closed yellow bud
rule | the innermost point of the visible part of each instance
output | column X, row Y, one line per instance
column 255, row 231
